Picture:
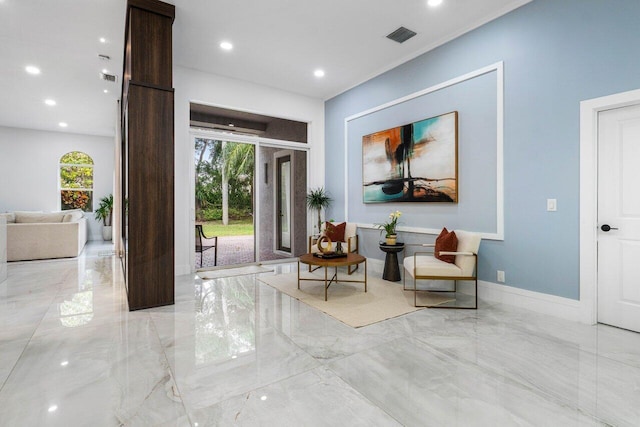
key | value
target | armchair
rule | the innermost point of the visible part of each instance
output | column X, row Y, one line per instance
column 423, row 265
column 349, row 243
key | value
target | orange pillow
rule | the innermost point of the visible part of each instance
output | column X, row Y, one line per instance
column 335, row 231
column 447, row 241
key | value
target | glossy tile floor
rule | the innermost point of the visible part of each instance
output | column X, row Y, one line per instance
column 236, row 352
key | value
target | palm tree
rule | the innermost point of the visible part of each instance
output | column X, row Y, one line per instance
column 201, row 194
column 230, row 162
column 238, row 162
column 317, row 199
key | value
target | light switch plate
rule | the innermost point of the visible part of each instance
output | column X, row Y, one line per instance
column 552, row 205
column 500, row 276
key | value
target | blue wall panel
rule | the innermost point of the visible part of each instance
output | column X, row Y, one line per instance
column 475, row 102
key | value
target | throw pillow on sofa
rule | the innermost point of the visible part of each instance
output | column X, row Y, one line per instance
column 447, row 241
column 35, row 218
column 72, row 216
column 335, row 232
column 26, row 212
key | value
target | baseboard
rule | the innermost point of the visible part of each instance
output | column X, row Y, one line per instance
column 564, row 308
column 551, row 305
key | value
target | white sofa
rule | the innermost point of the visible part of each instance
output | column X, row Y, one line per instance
column 37, row 235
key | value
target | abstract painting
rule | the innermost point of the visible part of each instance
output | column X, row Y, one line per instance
column 417, row 162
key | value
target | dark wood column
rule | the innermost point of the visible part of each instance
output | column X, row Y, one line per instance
column 148, row 154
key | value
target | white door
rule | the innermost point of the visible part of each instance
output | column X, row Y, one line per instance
column 619, row 217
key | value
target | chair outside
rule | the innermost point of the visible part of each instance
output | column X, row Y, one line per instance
column 423, row 265
column 201, row 248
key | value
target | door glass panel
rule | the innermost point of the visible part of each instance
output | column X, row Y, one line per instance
column 284, row 206
column 224, row 196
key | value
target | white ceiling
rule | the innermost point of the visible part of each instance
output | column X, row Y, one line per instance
column 61, row 37
column 278, row 43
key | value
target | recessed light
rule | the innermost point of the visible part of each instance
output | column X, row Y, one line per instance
column 105, row 91
column 53, row 408
column 32, row 70
column 263, row 398
column 318, row 73
column 63, row 124
column 64, row 363
column 226, row 45
column 434, row 3
column 50, row 102
column 105, row 71
column 102, row 40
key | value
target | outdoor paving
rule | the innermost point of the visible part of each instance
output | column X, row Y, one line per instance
column 232, row 250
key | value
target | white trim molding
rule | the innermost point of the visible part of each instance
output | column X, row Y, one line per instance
column 422, row 230
column 589, row 110
column 498, row 67
column 564, row 308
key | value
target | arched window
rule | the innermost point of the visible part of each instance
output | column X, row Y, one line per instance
column 76, row 181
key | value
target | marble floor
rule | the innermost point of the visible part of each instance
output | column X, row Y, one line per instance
column 236, row 352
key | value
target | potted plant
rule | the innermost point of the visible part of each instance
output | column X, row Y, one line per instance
column 389, row 227
column 317, row 199
column 104, row 214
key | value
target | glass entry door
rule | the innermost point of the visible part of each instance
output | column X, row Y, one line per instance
column 282, row 218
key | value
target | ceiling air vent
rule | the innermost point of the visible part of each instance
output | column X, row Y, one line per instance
column 108, row 77
column 401, row 35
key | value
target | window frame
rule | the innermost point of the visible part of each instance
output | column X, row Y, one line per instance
column 80, row 189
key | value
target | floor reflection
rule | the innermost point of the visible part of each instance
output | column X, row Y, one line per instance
column 235, row 351
column 225, row 321
column 78, row 311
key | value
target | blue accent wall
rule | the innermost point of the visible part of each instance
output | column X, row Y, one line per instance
column 556, row 54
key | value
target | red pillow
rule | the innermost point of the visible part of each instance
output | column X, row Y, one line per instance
column 335, row 231
column 447, row 241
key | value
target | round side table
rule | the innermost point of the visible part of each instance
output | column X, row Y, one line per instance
column 391, row 268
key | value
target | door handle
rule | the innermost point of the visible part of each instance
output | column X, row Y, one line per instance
column 606, row 227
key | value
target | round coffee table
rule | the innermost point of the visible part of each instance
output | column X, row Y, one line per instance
column 350, row 259
column 391, row 267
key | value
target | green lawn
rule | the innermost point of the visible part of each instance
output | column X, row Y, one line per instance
column 236, row 227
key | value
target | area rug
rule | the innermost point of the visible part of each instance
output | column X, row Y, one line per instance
column 228, row 272
column 348, row 302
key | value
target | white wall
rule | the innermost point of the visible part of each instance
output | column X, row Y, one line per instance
column 29, row 169
column 203, row 88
